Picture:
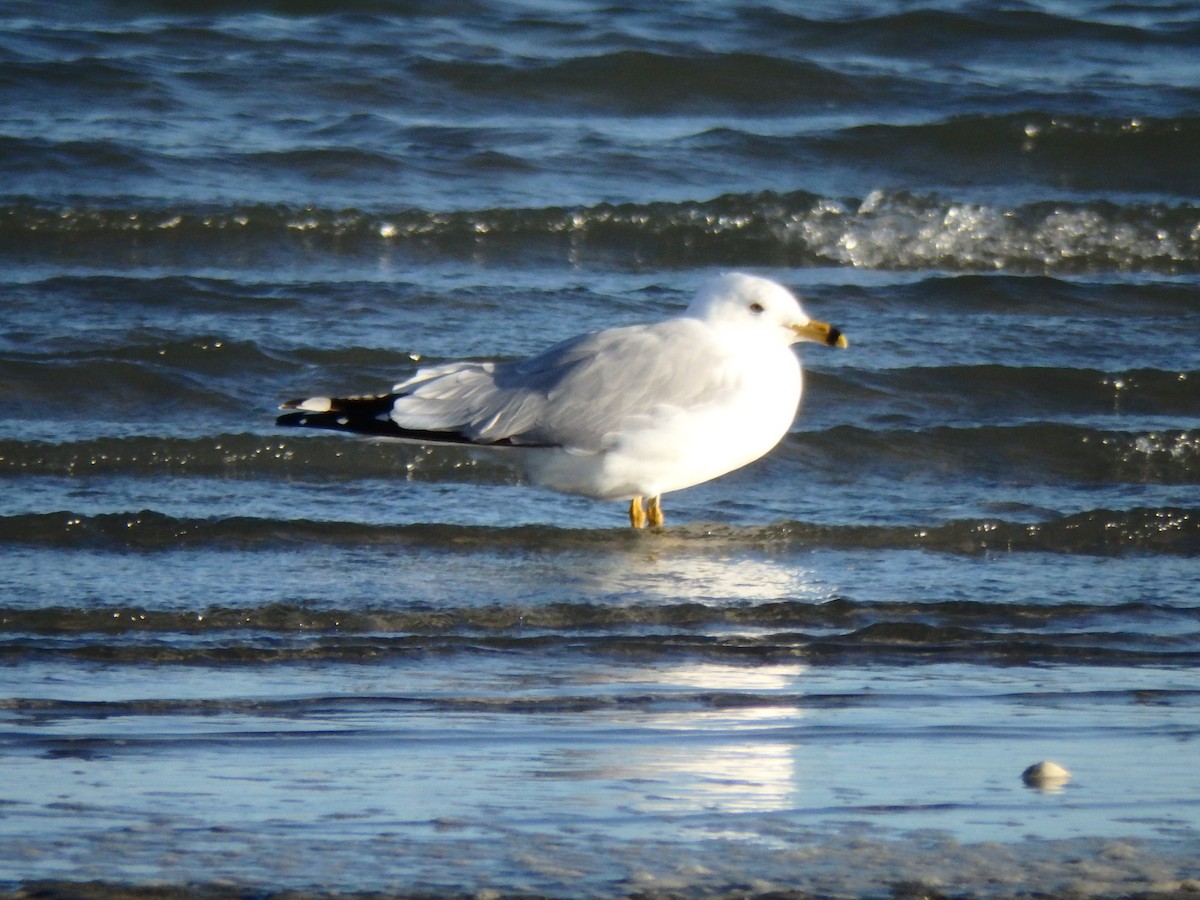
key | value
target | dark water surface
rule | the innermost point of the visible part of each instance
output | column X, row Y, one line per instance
column 234, row 658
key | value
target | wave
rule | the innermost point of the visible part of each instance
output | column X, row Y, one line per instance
column 840, row 614
column 44, row 710
column 1034, row 295
column 999, row 394
column 1074, row 153
column 833, row 632
column 885, row 230
column 86, row 79
column 1100, row 532
column 1040, row 450
column 120, row 390
column 643, row 82
column 922, row 32
column 245, row 456
column 1021, row 154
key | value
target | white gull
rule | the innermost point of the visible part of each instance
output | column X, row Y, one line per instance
column 626, row 413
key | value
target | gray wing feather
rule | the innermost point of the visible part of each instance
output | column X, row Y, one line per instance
column 575, row 394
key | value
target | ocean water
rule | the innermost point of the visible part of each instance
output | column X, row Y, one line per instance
column 241, row 659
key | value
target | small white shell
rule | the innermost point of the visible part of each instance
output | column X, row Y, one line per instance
column 1045, row 774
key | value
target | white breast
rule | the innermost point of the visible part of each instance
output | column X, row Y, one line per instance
column 671, row 448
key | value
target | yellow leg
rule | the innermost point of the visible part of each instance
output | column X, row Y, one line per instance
column 654, row 511
column 637, row 515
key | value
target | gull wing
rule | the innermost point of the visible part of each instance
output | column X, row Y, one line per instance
column 575, row 394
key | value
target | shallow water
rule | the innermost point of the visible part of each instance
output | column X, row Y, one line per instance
column 242, row 658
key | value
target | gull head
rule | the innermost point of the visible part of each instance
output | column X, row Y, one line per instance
column 736, row 300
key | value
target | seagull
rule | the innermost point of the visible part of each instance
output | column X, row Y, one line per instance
column 627, row 413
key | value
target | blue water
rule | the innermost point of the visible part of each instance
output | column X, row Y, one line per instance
column 237, row 657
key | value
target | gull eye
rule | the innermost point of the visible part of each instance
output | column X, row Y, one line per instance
column 757, row 308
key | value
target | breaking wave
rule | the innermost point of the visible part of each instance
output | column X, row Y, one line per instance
column 885, row 230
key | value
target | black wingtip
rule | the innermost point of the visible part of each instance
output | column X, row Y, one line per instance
column 360, row 415
column 377, row 427
column 341, row 421
column 365, row 416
